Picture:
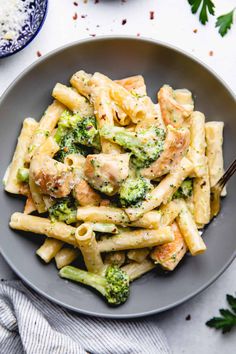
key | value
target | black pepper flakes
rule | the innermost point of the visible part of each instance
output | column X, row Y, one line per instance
column 93, row 35
column 96, row 1
column 195, row 30
column 75, row 16
column 151, row 14
column 39, row 54
column 75, row 3
column 84, row 16
column 188, row 318
column 124, row 21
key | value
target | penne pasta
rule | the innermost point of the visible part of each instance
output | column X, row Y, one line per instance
column 107, row 214
column 136, row 270
column 115, row 258
column 65, row 257
column 104, row 227
column 201, row 198
column 104, row 114
column 197, row 144
column 136, row 239
column 88, row 245
column 164, row 191
column 12, row 184
column 43, row 226
column 138, row 255
column 72, row 99
column 169, row 212
column 189, row 231
column 81, row 82
column 214, row 152
column 49, row 249
column 122, row 97
column 46, row 125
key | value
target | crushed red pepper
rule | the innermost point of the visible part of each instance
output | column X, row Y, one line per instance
column 39, row 54
column 151, row 14
column 211, row 53
column 75, row 16
column 124, row 21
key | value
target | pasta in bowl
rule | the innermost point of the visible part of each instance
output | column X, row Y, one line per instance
column 124, row 182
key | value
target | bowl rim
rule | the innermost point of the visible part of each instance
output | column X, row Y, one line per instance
column 32, row 37
column 97, row 39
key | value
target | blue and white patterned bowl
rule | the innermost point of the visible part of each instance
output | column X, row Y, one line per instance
column 33, row 24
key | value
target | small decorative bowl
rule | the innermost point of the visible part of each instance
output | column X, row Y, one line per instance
column 36, row 15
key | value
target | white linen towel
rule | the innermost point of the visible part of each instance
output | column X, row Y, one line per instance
column 31, row 324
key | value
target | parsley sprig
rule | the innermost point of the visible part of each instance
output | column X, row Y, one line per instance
column 207, row 7
column 224, row 22
column 228, row 318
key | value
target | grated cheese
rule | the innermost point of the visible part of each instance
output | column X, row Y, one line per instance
column 13, row 14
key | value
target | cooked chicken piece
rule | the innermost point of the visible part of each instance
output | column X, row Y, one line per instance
column 106, row 172
column 85, row 194
column 170, row 254
column 53, row 177
column 176, row 143
column 172, row 110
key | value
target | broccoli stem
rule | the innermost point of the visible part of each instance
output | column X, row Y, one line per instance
column 81, row 276
column 23, row 174
column 60, row 132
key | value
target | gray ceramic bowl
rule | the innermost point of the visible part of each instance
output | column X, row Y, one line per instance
column 119, row 57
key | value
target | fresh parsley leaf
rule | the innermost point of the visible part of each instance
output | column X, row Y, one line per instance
column 206, row 6
column 224, row 22
column 232, row 302
column 227, row 320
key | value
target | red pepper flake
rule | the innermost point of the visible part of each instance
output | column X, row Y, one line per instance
column 124, row 21
column 84, row 16
column 75, row 3
column 188, row 318
column 211, row 53
column 75, row 16
column 93, row 35
column 96, row 1
column 151, row 14
column 195, row 30
column 39, row 54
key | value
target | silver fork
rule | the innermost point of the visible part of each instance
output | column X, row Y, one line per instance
column 217, row 189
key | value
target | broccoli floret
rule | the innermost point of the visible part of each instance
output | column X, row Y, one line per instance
column 145, row 145
column 114, row 286
column 185, row 190
column 76, row 135
column 83, row 130
column 65, row 209
column 68, row 146
column 133, row 190
column 86, row 133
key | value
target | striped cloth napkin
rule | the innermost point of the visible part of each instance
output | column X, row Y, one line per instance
column 31, row 324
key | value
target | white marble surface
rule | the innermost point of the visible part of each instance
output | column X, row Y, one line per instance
column 173, row 23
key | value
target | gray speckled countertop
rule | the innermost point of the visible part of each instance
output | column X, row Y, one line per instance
column 105, row 17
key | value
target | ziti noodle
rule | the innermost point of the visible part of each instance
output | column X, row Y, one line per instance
column 123, row 182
